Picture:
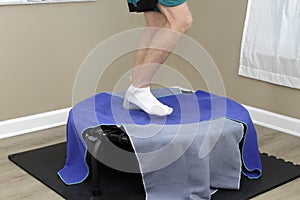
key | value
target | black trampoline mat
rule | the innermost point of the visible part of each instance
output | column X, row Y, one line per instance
column 44, row 163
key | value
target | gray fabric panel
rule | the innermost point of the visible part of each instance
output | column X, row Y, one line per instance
column 185, row 161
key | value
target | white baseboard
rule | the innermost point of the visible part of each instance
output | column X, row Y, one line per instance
column 22, row 125
column 275, row 121
column 56, row 118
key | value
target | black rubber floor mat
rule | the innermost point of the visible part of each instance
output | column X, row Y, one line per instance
column 44, row 163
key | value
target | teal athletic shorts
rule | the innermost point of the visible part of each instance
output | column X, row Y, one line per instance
column 150, row 5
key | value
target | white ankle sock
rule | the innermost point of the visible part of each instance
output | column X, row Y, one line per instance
column 143, row 98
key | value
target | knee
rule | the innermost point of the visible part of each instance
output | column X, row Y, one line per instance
column 156, row 24
column 155, row 20
column 183, row 24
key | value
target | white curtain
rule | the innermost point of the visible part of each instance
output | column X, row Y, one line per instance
column 270, row 48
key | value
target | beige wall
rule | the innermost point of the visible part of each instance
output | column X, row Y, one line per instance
column 42, row 47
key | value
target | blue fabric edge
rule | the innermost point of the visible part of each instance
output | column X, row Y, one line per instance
column 244, row 164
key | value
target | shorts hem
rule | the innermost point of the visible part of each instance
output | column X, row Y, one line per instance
column 166, row 4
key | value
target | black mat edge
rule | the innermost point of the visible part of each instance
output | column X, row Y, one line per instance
column 286, row 162
column 10, row 157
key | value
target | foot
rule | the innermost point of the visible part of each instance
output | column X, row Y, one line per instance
column 142, row 98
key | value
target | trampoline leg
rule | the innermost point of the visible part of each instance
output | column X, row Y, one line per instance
column 95, row 177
